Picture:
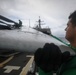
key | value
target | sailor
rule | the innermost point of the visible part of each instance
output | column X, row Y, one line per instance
column 20, row 22
column 50, row 59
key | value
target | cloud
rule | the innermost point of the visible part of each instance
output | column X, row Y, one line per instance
column 54, row 12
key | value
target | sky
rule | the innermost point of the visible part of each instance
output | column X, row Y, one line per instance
column 53, row 13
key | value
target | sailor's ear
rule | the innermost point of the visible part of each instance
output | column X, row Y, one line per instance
column 75, row 27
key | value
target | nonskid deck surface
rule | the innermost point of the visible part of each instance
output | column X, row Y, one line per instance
column 15, row 64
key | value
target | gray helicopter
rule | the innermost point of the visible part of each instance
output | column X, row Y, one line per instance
column 16, row 37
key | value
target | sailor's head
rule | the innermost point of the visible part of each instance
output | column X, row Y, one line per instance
column 71, row 28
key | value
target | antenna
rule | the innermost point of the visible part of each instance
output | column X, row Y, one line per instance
column 29, row 23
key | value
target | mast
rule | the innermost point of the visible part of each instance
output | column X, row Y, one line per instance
column 39, row 23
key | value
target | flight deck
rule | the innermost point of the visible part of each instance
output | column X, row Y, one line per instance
column 15, row 64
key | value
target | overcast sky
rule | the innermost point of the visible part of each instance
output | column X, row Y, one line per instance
column 54, row 13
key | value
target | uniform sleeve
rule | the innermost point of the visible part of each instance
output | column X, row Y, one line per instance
column 69, row 72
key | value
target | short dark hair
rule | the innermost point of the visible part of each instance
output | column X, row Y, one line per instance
column 73, row 17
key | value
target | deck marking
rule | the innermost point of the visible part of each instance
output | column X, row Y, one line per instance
column 6, row 61
column 26, row 68
column 10, row 68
